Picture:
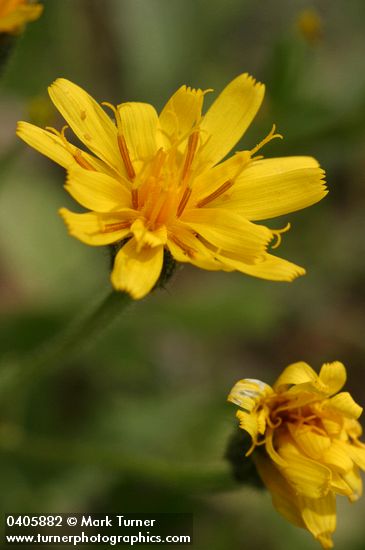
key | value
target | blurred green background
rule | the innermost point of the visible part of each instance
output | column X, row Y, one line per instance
column 107, row 431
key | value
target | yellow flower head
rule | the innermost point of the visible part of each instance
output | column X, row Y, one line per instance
column 310, row 435
column 15, row 13
column 309, row 24
column 155, row 182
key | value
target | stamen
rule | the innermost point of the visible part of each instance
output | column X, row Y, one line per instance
column 184, row 201
column 60, row 134
column 125, row 156
column 110, row 227
column 113, row 108
column 271, row 135
column 158, row 163
column 81, row 160
column 272, row 424
column 251, row 449
column 72, row 149
column 318, row 431
column 154, row 205
column 53, row 131
column 64, row 128
column 191, row 150
column 302, row 419
column 135, row 198
column 277, row 233
column 214, row 249
column 217, row 193
column 189, row 251
column 123, row 148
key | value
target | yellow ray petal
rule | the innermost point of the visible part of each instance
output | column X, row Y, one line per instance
column 46, row 143
column 354, row 480
column 271, row 268
column 344, row 404
column 97, row 229
column 261, row 419
column 271, row 451
column 139, row 126
column 337, row 458
column 272, row 187
column 57, row 149
column 352, row 427
column 186, row 247
column 214, row 178
column 333, row 375
column 297, row 373
column 88, row 120
column 229, row 117
column 300, row 396
column 319, row 516
column 283, row 496
column 357, row 454
column 201, row 261
column 96, row 191
column 248, row 392
column 310, row 442
column 144, row 236
column 307, row 477
column 333, row 426
column 180, row 114
column 137, row 272
column 249, row 423
column 228, row 231
column 340, row 486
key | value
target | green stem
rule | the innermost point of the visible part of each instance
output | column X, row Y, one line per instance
column 189, row 476
column 64, row 345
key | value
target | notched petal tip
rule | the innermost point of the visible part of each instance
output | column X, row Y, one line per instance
column 65, row 214
column 298, row 272
column 19, row 126
column 229, row 117
column 23, row 128
column 55, row 84
column 137, row 271
column 333, row 375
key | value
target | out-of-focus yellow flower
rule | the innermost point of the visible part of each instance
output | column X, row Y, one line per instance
column 309, row 24
column 155, row 182
column 310, row 437
column 39, row 110
column 14, row 14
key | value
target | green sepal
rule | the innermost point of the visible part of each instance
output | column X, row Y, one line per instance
column 243, row 467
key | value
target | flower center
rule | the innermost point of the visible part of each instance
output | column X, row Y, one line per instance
column 299, row 417
column 163, row 187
